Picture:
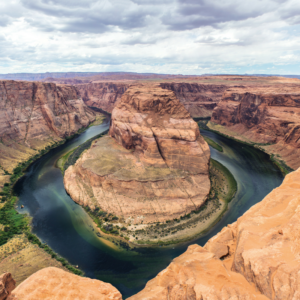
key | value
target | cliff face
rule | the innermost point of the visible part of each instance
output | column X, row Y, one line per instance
column 7, row 285
column 198, row 99
column 257, row 257
column 34, row 115
column 266, row 116
column 154, row 167
column 102, row 94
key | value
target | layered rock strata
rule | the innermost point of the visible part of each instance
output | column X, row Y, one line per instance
column 102, row 95
column 153, row 168
column 54, row 283
column 199, row 99
column 268, row 116
column 34, row 115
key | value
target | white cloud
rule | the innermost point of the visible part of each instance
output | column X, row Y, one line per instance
column 183, row 36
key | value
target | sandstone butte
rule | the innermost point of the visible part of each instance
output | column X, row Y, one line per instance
column 154, row 165
column 34, row 115
column 257, row 257
column 267, row 115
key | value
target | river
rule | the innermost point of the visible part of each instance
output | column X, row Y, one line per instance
column 69, row 231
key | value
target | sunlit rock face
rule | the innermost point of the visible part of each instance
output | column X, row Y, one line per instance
column 153, row 166
column 34, row 115
column 53, row 283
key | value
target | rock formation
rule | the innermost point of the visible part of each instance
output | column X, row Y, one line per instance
column 198, row 274
column 154, row 167
column 199, row 99
column 54, row 283
column 264, row 115
column 34, row 115
column 257, row 257
column 102, row 95
column 7, row 285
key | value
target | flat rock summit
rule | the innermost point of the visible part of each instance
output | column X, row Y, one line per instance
column 152, row 167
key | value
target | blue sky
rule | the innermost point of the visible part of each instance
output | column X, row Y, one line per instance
column 161, row 36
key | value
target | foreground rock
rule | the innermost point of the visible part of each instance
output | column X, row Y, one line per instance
column 153, row 168
column 34, row 115
column 265, row 115
column 54, row 283
column 7, row 285
column 198, row 274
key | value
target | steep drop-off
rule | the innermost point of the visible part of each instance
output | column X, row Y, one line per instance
column 199, row 99
column 269, row 116
column 257, row 257
column 34, row 115
column 102, row 95
column 153, row 168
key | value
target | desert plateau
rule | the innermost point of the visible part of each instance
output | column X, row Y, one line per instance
column 149, row 150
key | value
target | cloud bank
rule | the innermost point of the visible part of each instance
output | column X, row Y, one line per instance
column 165, row 36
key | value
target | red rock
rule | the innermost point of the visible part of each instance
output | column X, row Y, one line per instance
column 7, row 285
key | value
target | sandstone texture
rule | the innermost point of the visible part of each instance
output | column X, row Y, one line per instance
column 152, row 168
column 266, row 115
column 198, row 99
column 34, row 115
column 198, row 274
column 257, row 257
column 102, row 95
column 53, row 283
column 7, row 285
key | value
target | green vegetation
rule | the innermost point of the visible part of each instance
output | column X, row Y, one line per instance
column 213, row 144
column 284, row 168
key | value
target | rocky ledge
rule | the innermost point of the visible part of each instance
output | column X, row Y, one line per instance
column 152, row 168
column 267, row 115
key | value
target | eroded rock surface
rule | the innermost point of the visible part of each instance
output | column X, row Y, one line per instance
column 154, row 167
column 34, row 115
column 53, row 283
column 198, row 274
column 102, row 95
column 256, row 257
column 7, row 285
column 265, row 115
column 199, row 99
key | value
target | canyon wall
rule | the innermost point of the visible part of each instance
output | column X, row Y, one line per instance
column 199, row 99
column 153, row 168
column 102, row 95
column 34, row 115
column 269, row 116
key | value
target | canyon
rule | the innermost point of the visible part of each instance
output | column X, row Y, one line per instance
column 153, row 167
column 256, row 257
column 34, row 115
column 268, row 116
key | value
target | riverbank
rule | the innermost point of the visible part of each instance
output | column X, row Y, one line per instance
column 223, row 189
column 21, row 252
column 222, row 130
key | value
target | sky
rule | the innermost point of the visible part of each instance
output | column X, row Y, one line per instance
column 150, row 36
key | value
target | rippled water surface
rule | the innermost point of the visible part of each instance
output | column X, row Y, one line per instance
column 66, row 227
